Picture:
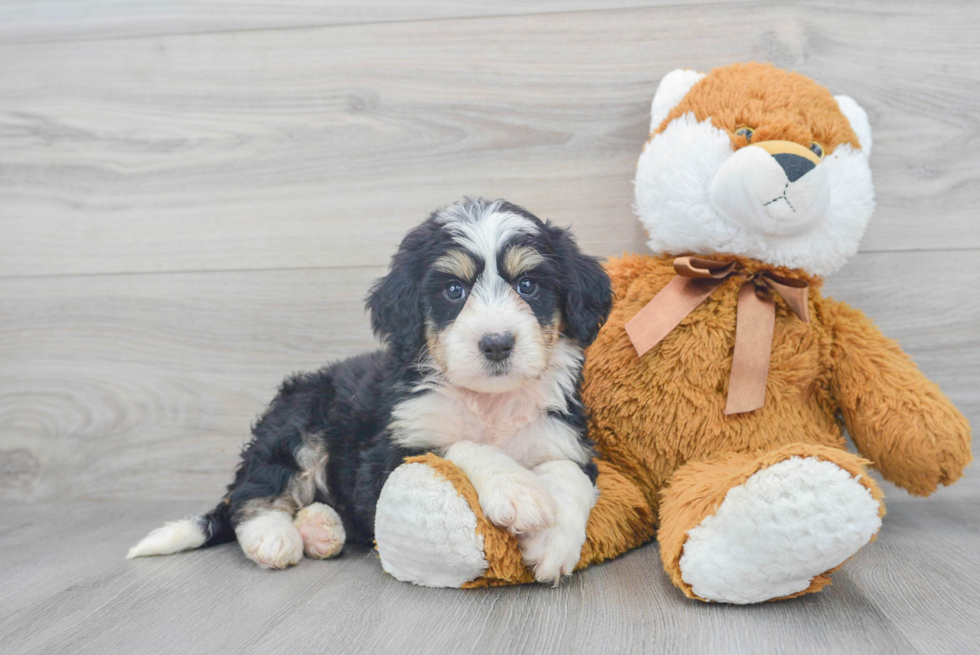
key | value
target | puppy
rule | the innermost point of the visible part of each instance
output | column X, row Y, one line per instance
column 484, row 314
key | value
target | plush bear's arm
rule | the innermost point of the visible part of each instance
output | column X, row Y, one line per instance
column 431, row 530
column 898, row 418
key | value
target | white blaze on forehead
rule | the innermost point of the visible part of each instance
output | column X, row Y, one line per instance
column 484, row 230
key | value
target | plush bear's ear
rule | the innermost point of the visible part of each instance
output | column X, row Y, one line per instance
column 395, row 302
column 672, row 89
column 586, row 290
column 858, row 118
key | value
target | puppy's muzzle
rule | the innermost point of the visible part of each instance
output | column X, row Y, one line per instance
column 497, row 347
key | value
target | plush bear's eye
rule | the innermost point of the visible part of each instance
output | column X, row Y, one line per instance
column 816, row 149
column 747, row 132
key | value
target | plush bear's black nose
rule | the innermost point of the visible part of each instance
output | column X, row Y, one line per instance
column 497, row 347
column 794, row 165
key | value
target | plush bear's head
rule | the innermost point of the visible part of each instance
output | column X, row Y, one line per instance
column 758, row 162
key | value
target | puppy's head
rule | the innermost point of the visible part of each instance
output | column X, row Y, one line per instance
column 486, row 292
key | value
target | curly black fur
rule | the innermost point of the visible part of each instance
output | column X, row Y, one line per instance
column 346, row 406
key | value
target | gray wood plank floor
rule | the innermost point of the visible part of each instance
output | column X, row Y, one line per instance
column 66, row 589
column 195, row 196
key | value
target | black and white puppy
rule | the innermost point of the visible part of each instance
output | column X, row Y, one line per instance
column 484, row 314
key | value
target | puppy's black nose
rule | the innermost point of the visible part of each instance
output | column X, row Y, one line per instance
column 497, row 347
column 794, row 166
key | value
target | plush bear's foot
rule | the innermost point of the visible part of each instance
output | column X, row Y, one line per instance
column 778, row 530
column 322, row 531
column 425, row 531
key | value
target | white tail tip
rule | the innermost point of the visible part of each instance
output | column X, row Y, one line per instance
column 172, row 537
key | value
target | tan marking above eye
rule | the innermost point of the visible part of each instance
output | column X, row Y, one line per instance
column 458, row 263
column 520, row 259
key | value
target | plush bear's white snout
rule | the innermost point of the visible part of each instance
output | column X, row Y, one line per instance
column 774, row 189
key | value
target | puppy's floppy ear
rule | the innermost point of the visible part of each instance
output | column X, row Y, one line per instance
column 586, row 290
column 395, row 300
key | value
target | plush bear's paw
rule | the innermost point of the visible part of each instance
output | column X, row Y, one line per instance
column 271, row 540
column 774, row 533
column 518, row 502
column 321, row 529
column 426, row 531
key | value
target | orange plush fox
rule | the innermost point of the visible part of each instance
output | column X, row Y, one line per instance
column 720, row 385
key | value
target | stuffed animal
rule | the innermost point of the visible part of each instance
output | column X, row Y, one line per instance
column 720, row 385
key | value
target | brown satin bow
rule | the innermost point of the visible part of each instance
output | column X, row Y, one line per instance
column 755, row 319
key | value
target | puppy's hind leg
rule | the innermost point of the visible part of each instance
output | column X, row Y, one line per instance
column 322, row 531
column 269, row 538
column 265, row 526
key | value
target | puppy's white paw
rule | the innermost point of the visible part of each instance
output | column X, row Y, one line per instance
column 553, row 552
column 321, row 529
column 518, row 502
column 271, row 540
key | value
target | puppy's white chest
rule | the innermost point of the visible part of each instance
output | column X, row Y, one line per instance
column 440, row 418
column 514, row 423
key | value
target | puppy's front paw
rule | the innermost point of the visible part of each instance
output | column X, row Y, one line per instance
column 518, row 502
column 552, row 552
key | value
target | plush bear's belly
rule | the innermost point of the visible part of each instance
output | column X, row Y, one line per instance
column 652, row 414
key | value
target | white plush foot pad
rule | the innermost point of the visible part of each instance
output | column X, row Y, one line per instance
column 774, row 533
column 271, row 540
column 321, row 529
column 426, row 531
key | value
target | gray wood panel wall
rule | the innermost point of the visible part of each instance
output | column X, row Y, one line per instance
column 194, row 198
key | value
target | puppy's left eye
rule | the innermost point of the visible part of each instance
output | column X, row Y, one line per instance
column 816, row 149
column 526, row 286
column 455, row 291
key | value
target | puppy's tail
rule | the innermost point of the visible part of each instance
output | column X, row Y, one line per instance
column 187, row 534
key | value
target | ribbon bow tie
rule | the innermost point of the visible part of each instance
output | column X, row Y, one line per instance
column 698, row 278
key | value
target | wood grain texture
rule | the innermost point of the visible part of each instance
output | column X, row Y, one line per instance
column 45, row 21
column 905, row 593
column 106, row 378
column 320, row 147
column 142, row 386
column 195, row 197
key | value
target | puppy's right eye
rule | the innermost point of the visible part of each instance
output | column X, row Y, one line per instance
column 455, row 291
